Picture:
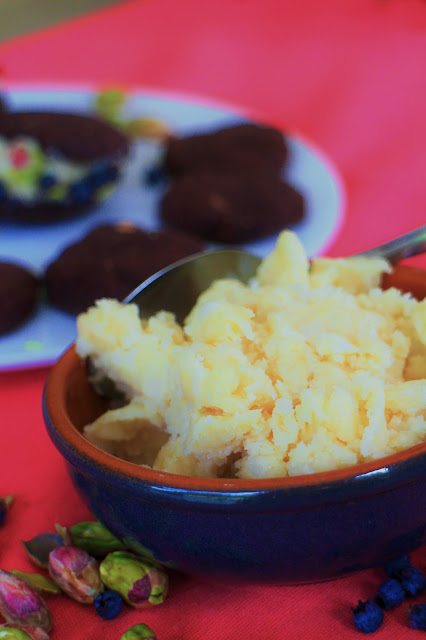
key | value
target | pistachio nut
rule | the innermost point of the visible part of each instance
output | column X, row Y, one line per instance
column 76, row 572
column 139, row 632
column 20, row 604
column 141, row 583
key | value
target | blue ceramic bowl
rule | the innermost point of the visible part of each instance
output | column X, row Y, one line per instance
column 281, row 530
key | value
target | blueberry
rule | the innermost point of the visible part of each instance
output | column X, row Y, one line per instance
column 393, row 567
column 81, row 192
column 412, row 581
column 47, row 181
column 111, row 173
column 390, row 594
column 108, row 604
column 154, row 176
column 417, row 617
column 368, row 616
column 102, row 175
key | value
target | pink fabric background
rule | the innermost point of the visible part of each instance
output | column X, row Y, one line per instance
column 348, row 75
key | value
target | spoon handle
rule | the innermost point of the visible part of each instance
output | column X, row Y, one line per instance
column 406, row 246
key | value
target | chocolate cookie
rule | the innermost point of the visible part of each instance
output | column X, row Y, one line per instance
column 18, row 295
column 3, row 107
column 55, row 165
column 77, row 137
column 231, row 207
column 110, row 262
column 245, row 146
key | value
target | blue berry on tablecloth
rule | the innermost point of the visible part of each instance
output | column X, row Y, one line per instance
column 417, row 617
column 412, row 581
column 368, row 616
column 390, row 594
column 108, row 604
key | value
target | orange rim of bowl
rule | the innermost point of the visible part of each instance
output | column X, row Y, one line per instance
column 54, row 396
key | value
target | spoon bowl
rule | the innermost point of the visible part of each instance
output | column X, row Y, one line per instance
column 177, row 287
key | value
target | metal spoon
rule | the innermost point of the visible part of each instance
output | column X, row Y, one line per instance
column 177, row 287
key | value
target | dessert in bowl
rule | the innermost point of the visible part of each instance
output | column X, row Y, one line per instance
column 306, row 487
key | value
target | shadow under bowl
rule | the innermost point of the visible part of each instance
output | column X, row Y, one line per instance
column 281, row 530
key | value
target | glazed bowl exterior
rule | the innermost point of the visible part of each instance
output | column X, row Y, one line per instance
column 280, row 530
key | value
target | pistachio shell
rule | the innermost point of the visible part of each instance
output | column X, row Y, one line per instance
column 5, row 503
column 108, row 103
column 34, row 633
column 139, row 632
column 64, row 533
column 13, row 633
column 76, row 572
column 141, row 583
column 94, row 538
column 39, row 583
column 20, row 604
column 39, row 547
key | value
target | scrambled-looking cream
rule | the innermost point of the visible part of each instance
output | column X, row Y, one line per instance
column 303, row 370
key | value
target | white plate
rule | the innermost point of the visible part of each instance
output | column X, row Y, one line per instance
column 45, row 336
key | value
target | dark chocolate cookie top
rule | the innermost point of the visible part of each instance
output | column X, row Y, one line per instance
column 246, row 146
column 111, row 261
column 78, row 137
column 18, row 295
column 231, row 207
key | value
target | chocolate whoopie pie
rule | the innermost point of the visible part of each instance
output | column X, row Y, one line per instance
column 245, row 146
column 231, row 207
column 18, row 295
column 55, row 165
column 111, row 261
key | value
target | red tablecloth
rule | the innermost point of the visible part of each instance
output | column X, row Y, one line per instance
column 350, row 76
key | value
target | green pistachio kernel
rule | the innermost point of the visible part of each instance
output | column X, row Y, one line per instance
column 139, row 632
column 58, row 192
column 140, row 583
column 104, row 192
column 109, row 103
column 94, row 538
column 39, row 583
column 13, row 633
